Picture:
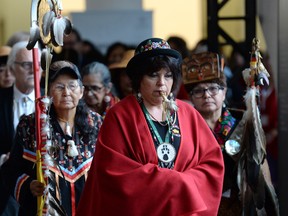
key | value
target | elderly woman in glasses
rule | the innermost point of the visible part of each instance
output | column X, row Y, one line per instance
column 97, row 88
column 73, row 133
column 205, row 81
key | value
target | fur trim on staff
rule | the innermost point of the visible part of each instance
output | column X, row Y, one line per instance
column 252, row 115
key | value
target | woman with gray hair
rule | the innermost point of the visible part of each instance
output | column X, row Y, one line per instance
column 97, row 88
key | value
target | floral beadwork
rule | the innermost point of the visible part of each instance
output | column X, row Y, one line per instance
column 223, row 127
column 154, row 45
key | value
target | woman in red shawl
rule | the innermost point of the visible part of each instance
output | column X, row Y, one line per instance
column 154, row 156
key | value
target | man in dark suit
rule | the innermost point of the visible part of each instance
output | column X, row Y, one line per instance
column 14, row 102
column 18, row 99
column 6, row 123
column 6, row 81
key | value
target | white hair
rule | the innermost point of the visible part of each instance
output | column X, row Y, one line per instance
column 15, row 49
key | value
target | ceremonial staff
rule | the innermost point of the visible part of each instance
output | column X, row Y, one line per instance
column 256, row 188
column 49, row 27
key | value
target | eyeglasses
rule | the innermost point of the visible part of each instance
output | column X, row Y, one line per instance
column 58, row 87
column 212, row 90
column 25, row 65
column 93, row 88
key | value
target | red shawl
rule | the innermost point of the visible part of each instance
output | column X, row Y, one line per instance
column 125, row 179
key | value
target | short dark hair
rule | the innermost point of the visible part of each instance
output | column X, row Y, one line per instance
column 156, row 63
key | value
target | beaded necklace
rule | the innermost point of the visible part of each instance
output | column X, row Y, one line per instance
column 166, row 149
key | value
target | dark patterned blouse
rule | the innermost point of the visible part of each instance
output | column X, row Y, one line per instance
column 230, row 203
column 66, row 174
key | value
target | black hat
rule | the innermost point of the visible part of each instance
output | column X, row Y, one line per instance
column 63, row 67
column 150, row 48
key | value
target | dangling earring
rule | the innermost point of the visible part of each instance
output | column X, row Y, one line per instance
column 139, row 97
column 171, row 96
column 107, row 98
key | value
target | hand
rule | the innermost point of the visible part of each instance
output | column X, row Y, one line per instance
column 4, row 157
column 37, row 188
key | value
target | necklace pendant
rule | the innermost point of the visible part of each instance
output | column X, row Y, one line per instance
column 72, row 149
column 166, row 152
column 68, row 129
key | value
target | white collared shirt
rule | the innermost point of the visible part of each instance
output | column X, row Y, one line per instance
column 20, row 106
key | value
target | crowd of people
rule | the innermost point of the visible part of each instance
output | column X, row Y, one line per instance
column 127, row 135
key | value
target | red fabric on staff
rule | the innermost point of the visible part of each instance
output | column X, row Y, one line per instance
column 37, row 95
column 40, row 176
column 36, row 72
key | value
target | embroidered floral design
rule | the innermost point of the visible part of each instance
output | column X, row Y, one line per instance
column 223, row 127
column 154, row 45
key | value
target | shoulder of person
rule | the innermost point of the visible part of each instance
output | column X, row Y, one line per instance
column 184, row 104
column 94, row 117
column 236, row 113
column 26, row 125
column 5, row 93
column 28, row 118
column 126, row 103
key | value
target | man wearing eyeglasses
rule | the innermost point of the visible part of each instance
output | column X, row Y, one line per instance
column 14, row 102
column 18, row 99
